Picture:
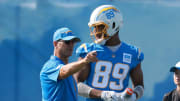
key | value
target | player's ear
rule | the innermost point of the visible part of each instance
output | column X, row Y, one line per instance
column 55, row 43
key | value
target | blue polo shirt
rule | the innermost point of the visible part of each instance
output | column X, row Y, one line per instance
column 54, row 89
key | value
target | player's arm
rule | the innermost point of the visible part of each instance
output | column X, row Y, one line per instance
column 86, row 91
column 137, row 80
column 73, row 67
column 82, row 74
column 83, row 89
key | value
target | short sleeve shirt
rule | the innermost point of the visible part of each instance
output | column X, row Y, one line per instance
column 54, row 89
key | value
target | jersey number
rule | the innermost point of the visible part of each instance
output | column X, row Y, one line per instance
column 102, row 75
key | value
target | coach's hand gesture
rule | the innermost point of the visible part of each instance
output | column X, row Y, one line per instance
column 91, row 57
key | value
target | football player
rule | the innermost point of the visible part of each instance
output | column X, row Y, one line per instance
column 118, row 61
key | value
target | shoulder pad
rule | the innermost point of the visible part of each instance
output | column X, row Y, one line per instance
column 83, row 49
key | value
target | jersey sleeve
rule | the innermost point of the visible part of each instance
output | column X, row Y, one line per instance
column 138, row 56
column 53, row 72
column 82, row 50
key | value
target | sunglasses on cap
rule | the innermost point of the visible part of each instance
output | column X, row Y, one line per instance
column 66, row 41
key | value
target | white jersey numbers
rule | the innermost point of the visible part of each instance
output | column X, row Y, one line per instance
column 103, row 71
column 119, row 72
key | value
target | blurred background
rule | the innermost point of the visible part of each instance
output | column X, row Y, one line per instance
column 27, row 27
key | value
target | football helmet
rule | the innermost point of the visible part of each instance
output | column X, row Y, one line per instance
column 109, row 19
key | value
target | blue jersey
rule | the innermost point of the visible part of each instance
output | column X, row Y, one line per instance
column 54, row 89
column 112, row 70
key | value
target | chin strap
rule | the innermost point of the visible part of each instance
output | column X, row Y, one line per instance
column 100, row 41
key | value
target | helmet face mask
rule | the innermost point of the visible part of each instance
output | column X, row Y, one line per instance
column 108, row 16
column 99, row 32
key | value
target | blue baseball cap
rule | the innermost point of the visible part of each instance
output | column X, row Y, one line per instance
column 177, row 66
column 65, row 34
